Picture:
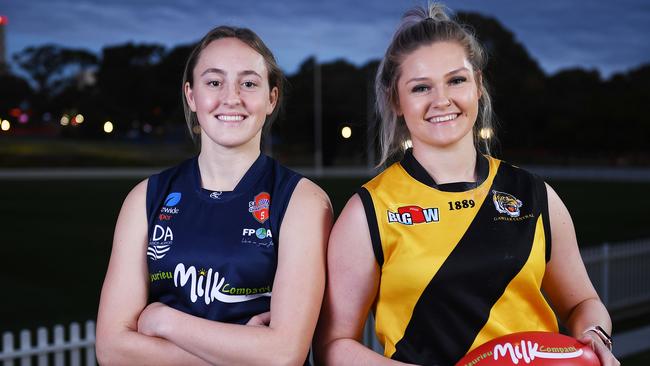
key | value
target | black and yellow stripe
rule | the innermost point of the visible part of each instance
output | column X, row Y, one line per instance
column 448, row 286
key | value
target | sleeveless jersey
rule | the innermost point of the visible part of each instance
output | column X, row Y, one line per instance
column 461, row 263
column 214, row 254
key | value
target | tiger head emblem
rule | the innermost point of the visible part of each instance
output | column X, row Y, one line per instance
column 506, row 203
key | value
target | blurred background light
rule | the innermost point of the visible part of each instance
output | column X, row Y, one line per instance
column 486, row 133
column 346, row 132
column 108, row 127
column 5, row 125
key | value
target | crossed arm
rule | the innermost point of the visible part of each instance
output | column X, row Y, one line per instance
column 130, row 332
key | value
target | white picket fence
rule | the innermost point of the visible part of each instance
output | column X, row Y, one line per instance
column 51, row 348
column 620, row 272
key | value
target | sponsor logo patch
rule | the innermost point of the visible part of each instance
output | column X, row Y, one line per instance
column 173, row 199
column 409, row 215
column 211, row 286
column 249, row 236
column 160, row 243
column 259, row 207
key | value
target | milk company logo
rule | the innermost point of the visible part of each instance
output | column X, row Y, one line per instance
column 211, row 286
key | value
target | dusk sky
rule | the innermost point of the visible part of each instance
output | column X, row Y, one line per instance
column 610, row 36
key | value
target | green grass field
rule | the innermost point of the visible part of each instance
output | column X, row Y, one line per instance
column 57, row 238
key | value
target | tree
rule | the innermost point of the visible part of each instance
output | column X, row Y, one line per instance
column 52, row 67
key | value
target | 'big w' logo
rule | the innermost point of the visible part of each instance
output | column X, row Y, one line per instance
column 409, row 215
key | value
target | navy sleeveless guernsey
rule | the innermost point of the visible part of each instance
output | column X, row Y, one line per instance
column 214, row 254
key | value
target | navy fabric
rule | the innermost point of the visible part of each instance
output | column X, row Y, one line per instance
column 214, row 254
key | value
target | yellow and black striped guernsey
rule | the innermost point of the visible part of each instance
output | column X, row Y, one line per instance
column 461, row 263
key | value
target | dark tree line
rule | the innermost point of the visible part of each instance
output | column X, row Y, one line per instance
column 573, row 114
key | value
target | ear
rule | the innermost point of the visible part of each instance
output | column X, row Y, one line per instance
column 189, row 96
column 273, row 100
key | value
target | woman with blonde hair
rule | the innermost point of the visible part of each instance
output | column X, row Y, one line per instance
column 449, row 246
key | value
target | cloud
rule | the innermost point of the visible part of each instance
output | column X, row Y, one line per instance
column 558, row 33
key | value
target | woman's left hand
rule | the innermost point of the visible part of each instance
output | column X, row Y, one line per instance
column 604, row 354
column 151, row 318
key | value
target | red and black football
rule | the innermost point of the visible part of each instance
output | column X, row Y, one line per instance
column 531, row 349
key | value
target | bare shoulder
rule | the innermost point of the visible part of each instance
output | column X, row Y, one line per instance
column 308, row 193
column 559, row 214
column 138, row 194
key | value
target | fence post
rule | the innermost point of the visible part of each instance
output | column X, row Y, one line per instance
column 59, row 356
column 90, row 349
column 75, row 337
column 25, row 345
column 605, row 273
column 8, row 347
column 41, row 342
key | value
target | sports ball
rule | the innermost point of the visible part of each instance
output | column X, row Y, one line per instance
column 531, row 349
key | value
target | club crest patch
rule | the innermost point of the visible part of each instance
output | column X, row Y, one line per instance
column 506, row 203
column 259, row 207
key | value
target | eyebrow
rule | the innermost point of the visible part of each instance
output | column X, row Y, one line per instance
column 447, row 74
column 222, row 72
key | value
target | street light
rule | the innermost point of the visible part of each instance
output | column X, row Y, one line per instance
column 108, row 126
column 346, row 132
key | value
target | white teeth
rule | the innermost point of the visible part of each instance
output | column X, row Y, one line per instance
column 448, row 117
column 226, row 118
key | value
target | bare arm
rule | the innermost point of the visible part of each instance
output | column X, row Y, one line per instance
column 297, row 295
column 353, row 280
column 124, row 296
column 567, row 284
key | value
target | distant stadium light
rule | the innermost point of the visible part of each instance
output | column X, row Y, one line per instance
column 65, row 120
column 346, row 132
column 5, row 125
column 108, row 127
column 79, row 118
column 486, row 133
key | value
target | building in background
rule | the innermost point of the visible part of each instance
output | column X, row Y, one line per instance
column 3, row 63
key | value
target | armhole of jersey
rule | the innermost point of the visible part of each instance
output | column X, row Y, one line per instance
column 371, row 218
column 287, row 191
column 543, row 199
column 152, row 191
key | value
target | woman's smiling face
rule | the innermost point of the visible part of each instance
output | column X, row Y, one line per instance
column 230, row 94
column 438, row 95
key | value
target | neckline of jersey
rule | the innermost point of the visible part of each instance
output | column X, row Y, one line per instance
column 417, row 172
column 251, row 176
